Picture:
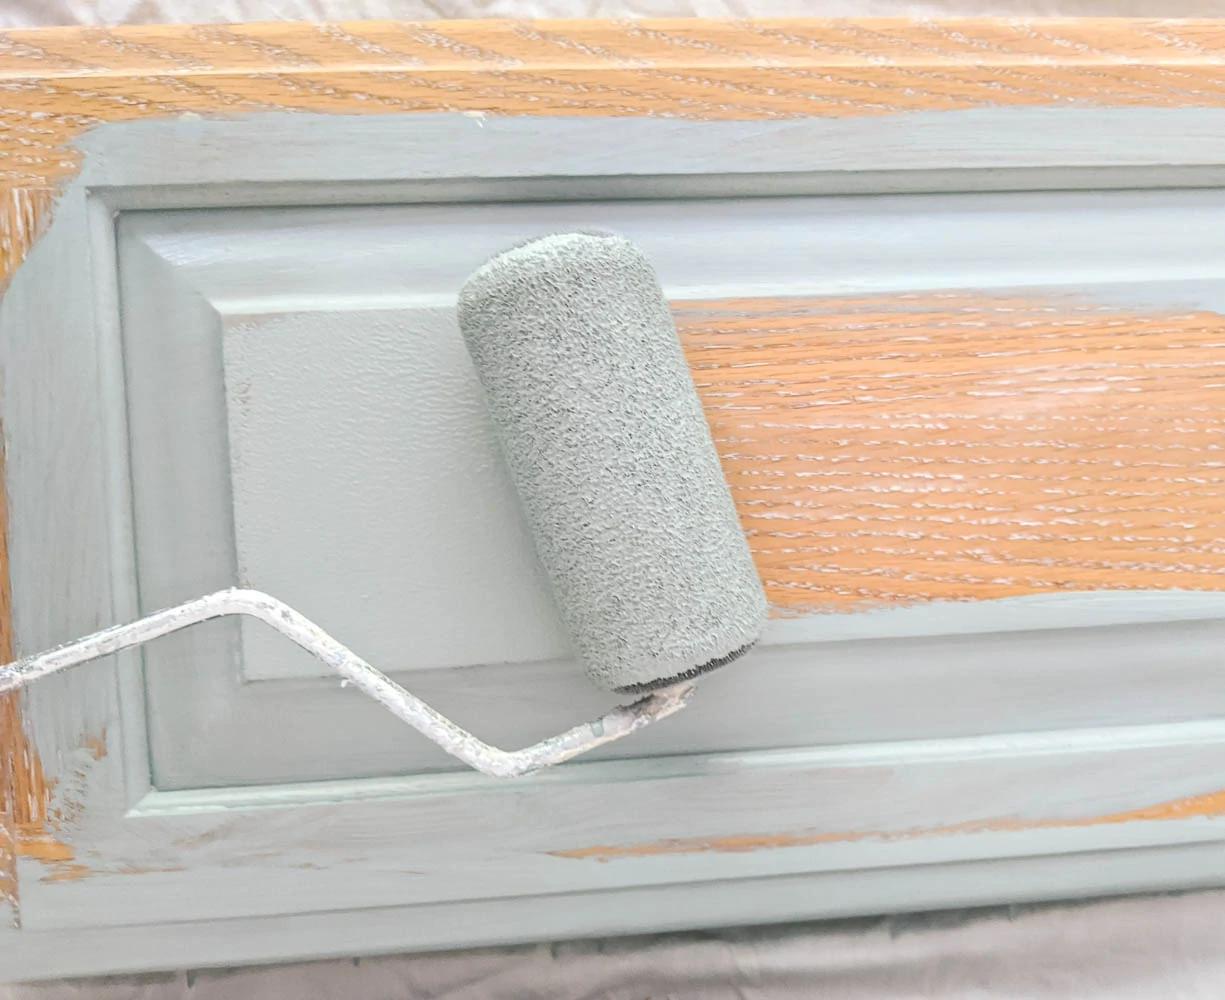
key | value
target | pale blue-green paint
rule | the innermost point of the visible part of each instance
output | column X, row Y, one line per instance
column 895, row 721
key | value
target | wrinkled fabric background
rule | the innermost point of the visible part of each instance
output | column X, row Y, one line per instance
column 1159, row 948
column 1156, row 948
column 27, row 13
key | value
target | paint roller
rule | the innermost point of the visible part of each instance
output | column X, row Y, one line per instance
column 632, row 519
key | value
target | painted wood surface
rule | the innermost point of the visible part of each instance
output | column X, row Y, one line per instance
column 46, row 785
column 426, row 839
column 391, row 930
column 17, row 768
column 362, row 297
column 56, row 84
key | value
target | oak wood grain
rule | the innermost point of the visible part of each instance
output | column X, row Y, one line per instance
column 898, row 448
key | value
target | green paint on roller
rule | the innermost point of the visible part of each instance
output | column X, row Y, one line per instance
column 613, row 459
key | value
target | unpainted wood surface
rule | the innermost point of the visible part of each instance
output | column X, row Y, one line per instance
column 966, row 445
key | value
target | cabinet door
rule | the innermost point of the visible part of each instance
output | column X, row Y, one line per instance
column 918, row 398
column 964, row 381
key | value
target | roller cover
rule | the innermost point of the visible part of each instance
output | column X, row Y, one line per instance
column 612, row 458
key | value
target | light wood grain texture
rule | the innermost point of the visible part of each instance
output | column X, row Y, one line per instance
column 908, row 447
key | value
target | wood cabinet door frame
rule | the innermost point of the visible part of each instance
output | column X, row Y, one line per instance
column 99, row 871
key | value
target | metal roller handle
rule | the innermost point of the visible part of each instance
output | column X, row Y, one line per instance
column 458, row 742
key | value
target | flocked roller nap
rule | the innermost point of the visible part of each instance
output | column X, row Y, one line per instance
column 613, row 459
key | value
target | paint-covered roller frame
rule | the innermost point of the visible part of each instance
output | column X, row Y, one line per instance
column 458, row 742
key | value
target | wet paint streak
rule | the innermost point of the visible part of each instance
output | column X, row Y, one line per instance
column 1209, row 805
column 961, row 445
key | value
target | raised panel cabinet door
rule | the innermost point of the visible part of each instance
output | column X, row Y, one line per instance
column 961, row 347
column 918, row 398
